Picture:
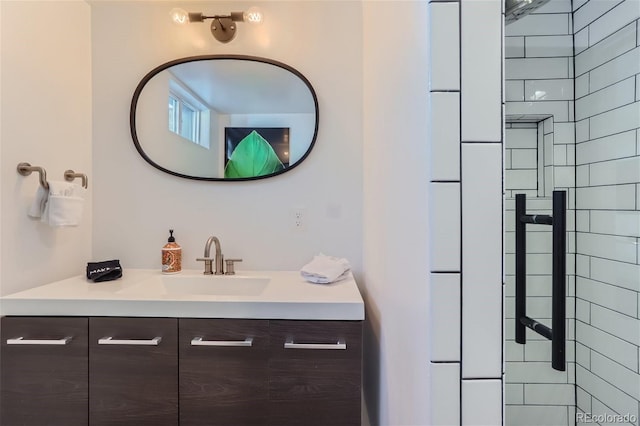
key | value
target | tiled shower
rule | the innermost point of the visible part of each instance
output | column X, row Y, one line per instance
column 571, row 121
column 572, row 92
column 539, row 158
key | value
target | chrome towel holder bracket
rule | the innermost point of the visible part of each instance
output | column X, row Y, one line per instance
column 25, row 169
column 70, row 175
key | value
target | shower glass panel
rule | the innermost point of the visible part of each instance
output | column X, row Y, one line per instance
column 539, row 158
column 572, row 105
column 535, row 393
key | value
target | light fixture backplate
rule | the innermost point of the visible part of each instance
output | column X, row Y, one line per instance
column 223, row 29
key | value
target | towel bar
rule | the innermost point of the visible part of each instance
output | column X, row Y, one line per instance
column 25, row 169
column 556, row 333
column 70, row 175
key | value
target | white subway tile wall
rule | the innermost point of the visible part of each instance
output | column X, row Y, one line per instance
column 625, row 65
column 544, row 71
column 549, row 46
column 445, row 136
column 445, row 317
column 445, row 226
column 481, row 402
column 548, row 90
column 481, row 94
column 590, row 11
column 608, row 270
column 466, row 115
column 445, row 394
column 611, row 47
column 522, row 415
column 482, row 274
column 445, row 52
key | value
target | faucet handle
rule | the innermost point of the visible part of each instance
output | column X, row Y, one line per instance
column 230, row 266
column 208, row 269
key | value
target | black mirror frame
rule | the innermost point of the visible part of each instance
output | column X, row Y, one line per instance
column 158, row 69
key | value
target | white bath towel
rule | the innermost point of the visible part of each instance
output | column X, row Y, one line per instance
column 325, row 269
column 64, row 204
column 39, row 203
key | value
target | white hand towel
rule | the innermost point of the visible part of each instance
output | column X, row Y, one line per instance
column 64, row 205
column 325, row 269
column 39, row 202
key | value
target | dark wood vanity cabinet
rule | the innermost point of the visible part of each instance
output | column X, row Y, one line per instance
column 223, row 372
column 181, row 371
column 133, row 371
column 276, row 373
column 43, row 371
column 315, row 373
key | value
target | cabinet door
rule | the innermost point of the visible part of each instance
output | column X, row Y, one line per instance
column 315, row 373
column 133, row 371
column 223, row 372
column 43, row 372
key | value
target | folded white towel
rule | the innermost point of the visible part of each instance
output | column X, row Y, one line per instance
column 325, row 269
column 64, row 204
column 39, row 203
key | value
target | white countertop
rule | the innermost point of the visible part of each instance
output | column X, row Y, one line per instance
column 139, row 294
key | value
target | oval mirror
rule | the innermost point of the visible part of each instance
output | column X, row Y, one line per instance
column 224, row 117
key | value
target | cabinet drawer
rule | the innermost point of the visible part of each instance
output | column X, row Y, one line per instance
column 44, row 371
column 223, row 372
column 133, row 371
column 316, row 339
column 315, row 373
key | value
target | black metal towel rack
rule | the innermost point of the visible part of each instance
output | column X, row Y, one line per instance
column 559, row 226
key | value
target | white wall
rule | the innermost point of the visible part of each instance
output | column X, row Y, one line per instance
column 137, row 204
column 46, row 121
column 1, row 165
column 395, row 213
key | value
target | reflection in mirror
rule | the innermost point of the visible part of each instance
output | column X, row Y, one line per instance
column 224, row 117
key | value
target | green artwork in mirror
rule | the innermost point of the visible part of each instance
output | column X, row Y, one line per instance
column 253, row 156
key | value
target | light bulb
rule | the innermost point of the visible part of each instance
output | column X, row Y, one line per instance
column 179, row 16
column 253, row 15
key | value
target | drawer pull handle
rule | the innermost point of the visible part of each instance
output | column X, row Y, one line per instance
column 135, row 342
column 197, row 341
column 341, row 345
column 23, row 341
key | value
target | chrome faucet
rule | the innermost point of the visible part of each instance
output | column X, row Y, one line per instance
column 219, row 269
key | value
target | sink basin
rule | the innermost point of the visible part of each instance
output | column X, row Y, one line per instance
column 213, row 285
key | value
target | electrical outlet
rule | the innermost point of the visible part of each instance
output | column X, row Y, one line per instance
column 298, row 219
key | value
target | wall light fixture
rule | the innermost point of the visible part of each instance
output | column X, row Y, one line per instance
column 223, row 27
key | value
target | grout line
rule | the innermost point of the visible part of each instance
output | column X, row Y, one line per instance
column 603, row 87
column 627, row 157
column 460, row 284
column 593, row 303
column 629, row 24
column 606, row 332
column 610, row 384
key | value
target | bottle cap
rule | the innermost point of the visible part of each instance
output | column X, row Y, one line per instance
column 171, row 237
